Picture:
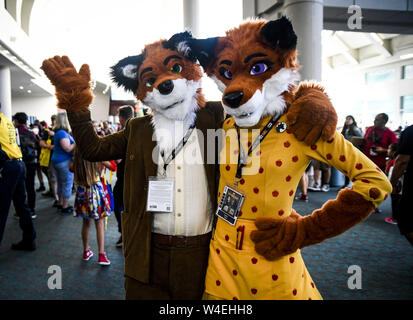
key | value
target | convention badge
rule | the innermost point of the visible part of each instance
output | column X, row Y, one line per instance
column 230, row 204
column 281, row 127
column 160, row 195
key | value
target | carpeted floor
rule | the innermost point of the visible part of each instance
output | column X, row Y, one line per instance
column 385, row 259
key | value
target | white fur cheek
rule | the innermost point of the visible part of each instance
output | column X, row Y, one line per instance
column 221, row 86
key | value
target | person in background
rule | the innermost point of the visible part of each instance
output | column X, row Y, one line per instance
column 12, row 186
column 29, row 146
column 404, row 166
column 395, row 196
column 61, row 160
column 303, row 184
column 377, row 140
column 107, row 129
column 38, row 129
column 91, row 203
column 322, row 175
column 350, row 130
column 125, row 113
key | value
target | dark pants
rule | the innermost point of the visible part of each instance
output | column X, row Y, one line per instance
column 405, row 216
column 176, row 274
column 12, row 187
column 31, row 169
column 118, row 205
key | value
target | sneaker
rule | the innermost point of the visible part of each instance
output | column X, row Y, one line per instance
column 377, row 210
column 24, row 246
column 34, row 215
column 103, row 260
column 67, row 210
column 391, row 220
column 87, row 255
column 325, row 188
column 302, row 197
column 41, row 188
column 315, row 187
column 119, row 243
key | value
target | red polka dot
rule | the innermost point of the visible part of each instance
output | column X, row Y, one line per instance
column 329, row 156
column 256, row 190
column 240, row 214
column 235, row 298
column 359, row 166
column 330, row 141
column 365, row 181
column 295, row 159
column 226, row 237
column 275, row 193
column 342, row 158
column 218, row 251
column 295, row 292
column 261, row 170
column 234, row 272
column 288, row 131
column 385, row 197
column 242, row 181
column 254, row 260
column 228, row 121
column 281, row 212
column 254, row 291
column 378, row 169
column 314, row 147
column 219, row 194
column 274, row 277
column 288, row 178
column 312, row 284
column 291, row 193
column 345, row 171
column 310, row 299
column 291, row 259
column 218, row 283
column 254, row 209
column 227, row 168
column 278, row 163
column 249, row 144
column 287, row 144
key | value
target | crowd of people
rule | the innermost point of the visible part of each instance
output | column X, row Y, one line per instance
column 50, row 150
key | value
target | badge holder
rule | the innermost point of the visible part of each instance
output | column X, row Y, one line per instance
column 230, row 204
column 160, row 195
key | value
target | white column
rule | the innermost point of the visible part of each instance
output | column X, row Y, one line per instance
column 191, row 16
column 5, row 91
column 307, row 19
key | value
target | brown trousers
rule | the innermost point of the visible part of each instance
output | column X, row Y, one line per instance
column 177, row 273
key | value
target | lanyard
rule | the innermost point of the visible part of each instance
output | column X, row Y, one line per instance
column 256, row 143
column 178, row 148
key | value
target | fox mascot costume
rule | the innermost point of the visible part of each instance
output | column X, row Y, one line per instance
column 255, row 250
column 166, row 254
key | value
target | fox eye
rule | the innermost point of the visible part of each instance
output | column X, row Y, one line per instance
column 150, row 82
column 177, row 68
column 225, row 73
column 258, row 68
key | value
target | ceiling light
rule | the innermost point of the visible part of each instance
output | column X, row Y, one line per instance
column 406, row 56
column 21, row 87
column 29, row 91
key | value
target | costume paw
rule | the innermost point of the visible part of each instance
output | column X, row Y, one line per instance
column 311, row 115
column 72, row 87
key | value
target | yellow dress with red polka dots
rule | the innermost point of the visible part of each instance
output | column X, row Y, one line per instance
column 269, row 182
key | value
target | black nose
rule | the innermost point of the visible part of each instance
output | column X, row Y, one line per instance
column 166, row 87
column 233, row 99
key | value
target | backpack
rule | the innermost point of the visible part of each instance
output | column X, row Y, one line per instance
column 28, row 146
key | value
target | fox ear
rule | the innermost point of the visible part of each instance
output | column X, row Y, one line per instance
column 125, row 72
column 280, row 33
column 203, row 50
column 180, row 42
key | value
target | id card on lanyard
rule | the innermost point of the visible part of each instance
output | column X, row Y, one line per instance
column 232, row 197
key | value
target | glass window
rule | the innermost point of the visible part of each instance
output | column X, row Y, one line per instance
column 407, row 110
column 379, row 76
column 407, row 72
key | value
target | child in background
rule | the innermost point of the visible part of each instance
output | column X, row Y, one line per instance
column 395, row 197
column 91, row 203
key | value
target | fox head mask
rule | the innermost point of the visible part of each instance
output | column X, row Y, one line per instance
column 254, row 66
column 165, row 77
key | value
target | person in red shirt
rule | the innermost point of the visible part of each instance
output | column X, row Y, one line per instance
column 378, row 138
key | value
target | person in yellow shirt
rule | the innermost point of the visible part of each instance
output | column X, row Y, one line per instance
column 12, row 185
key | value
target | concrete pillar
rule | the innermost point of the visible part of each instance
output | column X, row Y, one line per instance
column 5, row 91
column 191, row 16
column 307, row 19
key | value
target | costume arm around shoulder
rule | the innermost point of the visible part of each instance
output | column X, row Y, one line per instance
column 92, row 147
